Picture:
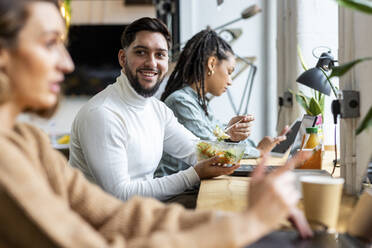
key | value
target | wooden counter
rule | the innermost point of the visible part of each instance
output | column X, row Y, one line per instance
column 230, row 193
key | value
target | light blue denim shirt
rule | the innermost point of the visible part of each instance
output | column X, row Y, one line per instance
column 185, row 106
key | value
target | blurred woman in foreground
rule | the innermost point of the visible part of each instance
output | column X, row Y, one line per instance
column 45, row 203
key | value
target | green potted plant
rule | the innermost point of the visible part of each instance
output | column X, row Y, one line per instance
column 313, row 105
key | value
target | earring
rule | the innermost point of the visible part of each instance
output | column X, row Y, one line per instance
column 210, row 73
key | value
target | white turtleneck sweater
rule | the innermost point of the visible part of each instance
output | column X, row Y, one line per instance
column 117, row 140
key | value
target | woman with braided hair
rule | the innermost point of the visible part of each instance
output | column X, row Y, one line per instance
column 205, row 66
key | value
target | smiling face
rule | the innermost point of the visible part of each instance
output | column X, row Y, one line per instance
column 145, row 62
column 217, row 83
column 37, row 64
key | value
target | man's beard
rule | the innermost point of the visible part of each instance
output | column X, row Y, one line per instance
column 133, row 80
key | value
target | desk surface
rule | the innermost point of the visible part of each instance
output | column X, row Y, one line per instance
column 230, row 193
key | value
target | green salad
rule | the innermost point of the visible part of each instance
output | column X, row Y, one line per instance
column 220, row 134
column 207, row 150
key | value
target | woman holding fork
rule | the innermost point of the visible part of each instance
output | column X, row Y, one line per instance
column 205, row 66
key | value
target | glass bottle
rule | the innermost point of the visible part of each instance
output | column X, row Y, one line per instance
column 312, row 139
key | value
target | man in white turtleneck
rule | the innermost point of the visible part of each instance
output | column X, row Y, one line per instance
column 118, row 137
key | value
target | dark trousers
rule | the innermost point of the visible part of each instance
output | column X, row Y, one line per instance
column 186, row 199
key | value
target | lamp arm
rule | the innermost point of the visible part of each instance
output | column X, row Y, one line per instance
column 254, row 68
column 245, row 60
column 330, row 83
column 228, row 23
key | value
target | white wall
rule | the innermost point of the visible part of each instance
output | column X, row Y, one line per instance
column 197, row 15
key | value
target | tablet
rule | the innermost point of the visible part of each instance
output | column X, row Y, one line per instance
column 280, row 149
column 307, row 121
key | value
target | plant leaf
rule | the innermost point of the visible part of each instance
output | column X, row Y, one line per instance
column 321, row 103
column 340, row 70
column 308, row 98
column 361, row 5
column 366, row 122
column 301, row 99
column 314, row 107
column 300, row 92
column 302, row 61
column 330, row 83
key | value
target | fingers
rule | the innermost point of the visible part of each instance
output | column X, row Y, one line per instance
column 294, row 162
column 241, row 126
column 249, row 118
column 221, row 170
column 298, row 220
column 213, row 160
column 231, row 169
column 240, row 131
column 244, row 118
column 279, row 139
column 239, row 135
column 259, row 171
column 213, row 167
column 284, row 131
column 286, row 184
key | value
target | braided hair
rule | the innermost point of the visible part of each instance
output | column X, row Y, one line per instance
column 192, row 63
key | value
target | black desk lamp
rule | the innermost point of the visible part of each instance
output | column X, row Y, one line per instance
column 316, row 78
column 347, row 102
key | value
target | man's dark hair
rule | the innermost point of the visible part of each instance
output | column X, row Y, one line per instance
column 192, row 63
column 144, row 24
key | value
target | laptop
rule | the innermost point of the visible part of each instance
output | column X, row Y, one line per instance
column 291, row 239
column 294, row 136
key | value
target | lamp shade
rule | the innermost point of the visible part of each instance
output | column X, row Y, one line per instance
column 315, row 79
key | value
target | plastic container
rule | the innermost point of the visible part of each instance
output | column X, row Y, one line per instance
column 229, row 152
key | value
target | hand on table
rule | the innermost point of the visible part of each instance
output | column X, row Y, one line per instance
column 240, row 131
column 209, row 168
column 298, row 221
column 273, row 197
column 268, row 143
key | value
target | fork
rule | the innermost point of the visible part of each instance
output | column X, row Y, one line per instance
column 228, row 128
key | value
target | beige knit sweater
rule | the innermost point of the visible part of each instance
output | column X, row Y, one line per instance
column 46, row 203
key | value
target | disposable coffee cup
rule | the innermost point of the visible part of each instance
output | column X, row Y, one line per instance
column 322, row 198
column 360, row 223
